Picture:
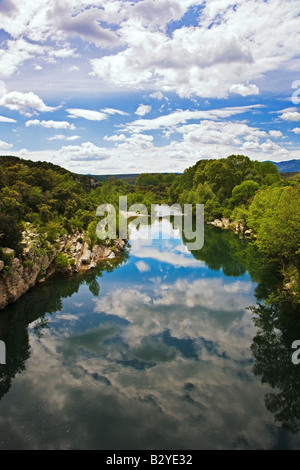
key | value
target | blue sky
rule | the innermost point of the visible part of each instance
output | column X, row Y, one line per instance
column 115, row 86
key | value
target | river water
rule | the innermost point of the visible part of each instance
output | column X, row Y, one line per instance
column 155, row 350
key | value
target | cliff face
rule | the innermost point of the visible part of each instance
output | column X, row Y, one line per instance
column 69, row 255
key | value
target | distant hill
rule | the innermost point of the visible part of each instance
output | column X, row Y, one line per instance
column 128, row 178
column 291, row 166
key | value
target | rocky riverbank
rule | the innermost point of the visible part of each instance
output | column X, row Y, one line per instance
column 40, row 259
column 236, row 227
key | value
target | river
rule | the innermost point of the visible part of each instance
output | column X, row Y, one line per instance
column 155, row 350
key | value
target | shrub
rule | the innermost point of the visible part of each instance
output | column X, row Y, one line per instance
column 61, row 262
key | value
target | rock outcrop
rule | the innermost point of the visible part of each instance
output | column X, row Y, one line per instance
column 235, row 226
column 38, row 263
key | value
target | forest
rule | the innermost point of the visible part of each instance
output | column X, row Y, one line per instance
column 57, row 202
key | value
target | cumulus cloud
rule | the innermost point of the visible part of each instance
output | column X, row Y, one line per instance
column 290, row 116
column 142, row 266
column 244, row 90
column 25, row 103
column 143, row 109
column 51, row 124
column 270, row 146
column 205, row 59
column 115, row 138
column 154, row 52
column 267, row 146
column 296, row 130
column 87, row 114
column 212, row 132
column 157, row 95
column 137, row 141
column 84, row 152
column 275, row 134
column 84, row 24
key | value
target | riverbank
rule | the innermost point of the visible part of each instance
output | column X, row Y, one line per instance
column 236, row 227
column 41, row 259
column 290, row 271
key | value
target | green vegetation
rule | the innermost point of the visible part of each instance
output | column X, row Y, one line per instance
column 249, row 193
column 57, row 202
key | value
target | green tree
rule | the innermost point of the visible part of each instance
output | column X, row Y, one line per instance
column 242, row 193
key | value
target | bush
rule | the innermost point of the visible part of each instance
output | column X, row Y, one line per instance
column 61, row 262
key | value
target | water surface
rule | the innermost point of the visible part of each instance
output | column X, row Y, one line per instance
column 154, row 351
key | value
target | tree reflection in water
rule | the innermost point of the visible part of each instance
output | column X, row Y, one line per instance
column 278, row 326
column 34, row 306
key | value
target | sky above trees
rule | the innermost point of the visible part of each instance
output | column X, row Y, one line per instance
column 116, row 86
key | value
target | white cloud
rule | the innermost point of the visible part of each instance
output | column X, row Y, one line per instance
column 251, row 146
column 6, row 119
column 154, row 53
column 142, row 266
column 267, row 147
column 38, row 67
column 51, row 124
column 220, row 133
column 114, row 111
column 290, row 116
column 15, row 54
column 275, row 134
column 178, row 154
column 244, row 90
column 25, row 103
column 63, row 137
column 296, row 130
column 2, row 88
column 178, row 117
column 137, row 142
column 84, row 24
column 63, row 53
column 143, row 109
column 87, row 114
column 5, row 145
column 115, row 138
column 157, row 95
column 205, row 59
column 84, row 152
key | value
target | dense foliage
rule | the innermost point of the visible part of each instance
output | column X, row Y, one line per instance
column 56, row 201
column 247, row 192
